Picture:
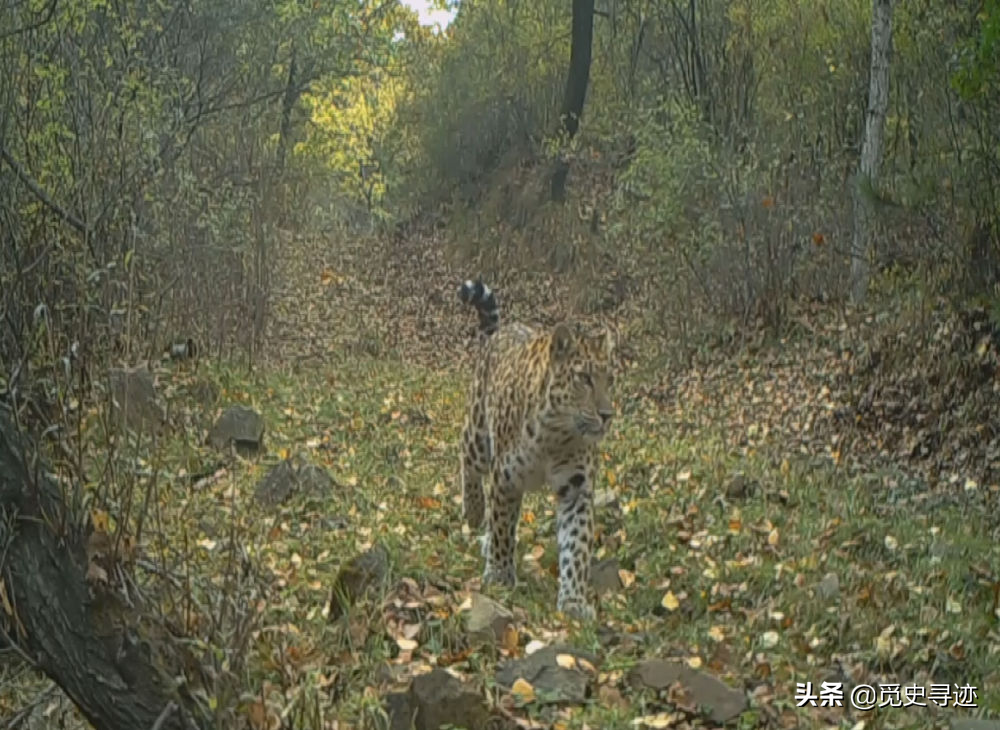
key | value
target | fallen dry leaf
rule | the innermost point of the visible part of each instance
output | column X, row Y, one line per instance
column 660, row 720
column 627, row 577
column 670, row 601
column 566, row 661
column 533, row 646
column 523, row 691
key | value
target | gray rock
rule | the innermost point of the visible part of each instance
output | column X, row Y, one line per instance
column 828, row 588
column 359, row 574
column 241, row 427
column 604, row 576
column 722, row 702
column 740, row 487
column 487, row 619
column 285, row 479
column 655, row 674
column 399, row 709
column 552, row 682
column 133, row 399
column 276, row 485
column 439, row 698
column 314, row 480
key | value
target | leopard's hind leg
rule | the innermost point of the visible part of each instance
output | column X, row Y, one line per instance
column 475, row 465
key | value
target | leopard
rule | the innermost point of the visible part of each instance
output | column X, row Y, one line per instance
column 539, row 406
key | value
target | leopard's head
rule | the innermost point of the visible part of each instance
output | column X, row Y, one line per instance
column 580, row 380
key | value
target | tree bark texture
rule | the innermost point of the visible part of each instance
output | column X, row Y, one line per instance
column 82, row 636
column 871, row 148
column 577, row 80
column 288, row 99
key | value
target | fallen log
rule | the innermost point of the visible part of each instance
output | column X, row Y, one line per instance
column 118, row 665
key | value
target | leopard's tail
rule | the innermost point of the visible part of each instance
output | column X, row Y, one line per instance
column 484, row 300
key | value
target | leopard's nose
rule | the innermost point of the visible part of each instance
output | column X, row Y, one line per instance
column 606, row 416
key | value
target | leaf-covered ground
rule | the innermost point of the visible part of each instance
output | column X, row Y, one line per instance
column 764, row 532
column 757, row 536
column 729, row 573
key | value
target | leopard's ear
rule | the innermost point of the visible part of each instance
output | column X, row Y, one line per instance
column 605, row 342
column 562, row 342
column 610, row 343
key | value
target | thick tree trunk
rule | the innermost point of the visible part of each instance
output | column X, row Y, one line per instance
column 80, row 634
column 871, row 148
column 577, row 80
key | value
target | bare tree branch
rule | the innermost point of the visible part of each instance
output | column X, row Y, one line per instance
column 49, row 12
column 42, row 196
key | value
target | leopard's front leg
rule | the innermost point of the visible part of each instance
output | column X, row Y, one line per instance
column 575, row 527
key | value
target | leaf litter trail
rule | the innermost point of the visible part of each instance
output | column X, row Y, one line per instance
column 351, row 296
column 811, row 421
column 336, row 297
column 385, row 297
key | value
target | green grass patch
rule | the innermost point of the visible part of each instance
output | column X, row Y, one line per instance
column 795, row 571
